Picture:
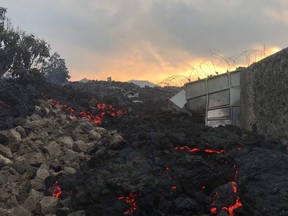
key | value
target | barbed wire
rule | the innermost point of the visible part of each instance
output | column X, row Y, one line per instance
column 216, row 65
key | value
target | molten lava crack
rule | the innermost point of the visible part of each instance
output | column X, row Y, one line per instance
column 213, row 209
column 56, row 189
column 167, row 171
column 105, row 109
column 130, row 199
column 187, row 148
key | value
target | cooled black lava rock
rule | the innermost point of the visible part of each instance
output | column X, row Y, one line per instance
column 148, row 173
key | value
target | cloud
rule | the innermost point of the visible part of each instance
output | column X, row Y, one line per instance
column 149, row 38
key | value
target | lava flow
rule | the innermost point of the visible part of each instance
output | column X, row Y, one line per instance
column 93, row 118
column 237, row 204
column 213, row 209
column 105, row 109
column 56, row 189
column 130, row 199
column 187, row 148
column 167, row 171
column 54, row 103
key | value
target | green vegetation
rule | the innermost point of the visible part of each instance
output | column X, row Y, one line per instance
column 56, row 70
column 22, row 55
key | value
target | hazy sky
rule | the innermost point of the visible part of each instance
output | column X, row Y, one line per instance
column 150, row 39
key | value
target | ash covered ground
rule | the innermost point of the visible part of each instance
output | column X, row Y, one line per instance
column 151, row 158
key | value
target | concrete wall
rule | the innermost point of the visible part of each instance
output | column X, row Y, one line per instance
column 264, row 96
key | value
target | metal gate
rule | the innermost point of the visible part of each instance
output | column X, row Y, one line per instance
column 217, row 97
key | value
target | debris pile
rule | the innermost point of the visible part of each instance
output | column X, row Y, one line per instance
column 48, row 143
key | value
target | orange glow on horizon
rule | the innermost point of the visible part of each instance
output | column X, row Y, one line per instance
column 127, row 68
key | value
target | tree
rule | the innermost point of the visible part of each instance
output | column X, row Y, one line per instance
column 56, row 70
column 31, row 53
column 2, row 18
column 20, row 52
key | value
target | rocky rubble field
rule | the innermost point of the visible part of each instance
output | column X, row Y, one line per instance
column 47, row 143
column 117, row 149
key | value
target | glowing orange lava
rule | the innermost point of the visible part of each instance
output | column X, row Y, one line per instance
column 167, row 171
column 189, row 149
column 56, row 190
column 130, row 199
column 231, row 209
column 237, row 204
column 215, row 151
column 174, row 187
column 213, row 209
column 106, row 110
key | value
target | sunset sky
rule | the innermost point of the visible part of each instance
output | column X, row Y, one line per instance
column 153, row 39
